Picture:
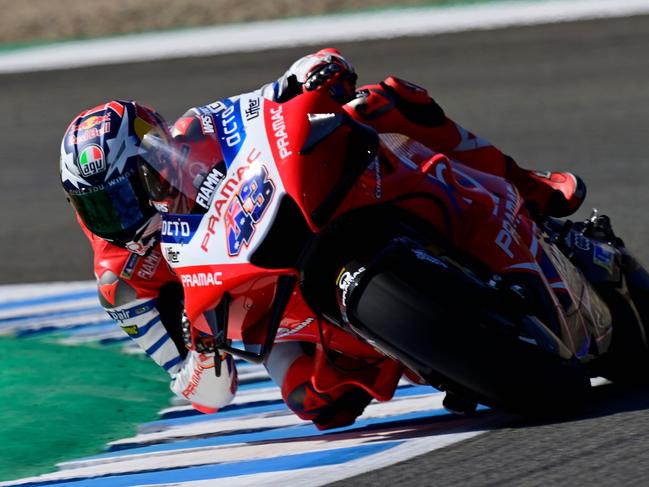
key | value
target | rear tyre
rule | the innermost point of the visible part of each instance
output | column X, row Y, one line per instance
column 627, row 361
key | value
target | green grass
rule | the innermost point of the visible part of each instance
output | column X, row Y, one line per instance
column 61, row 402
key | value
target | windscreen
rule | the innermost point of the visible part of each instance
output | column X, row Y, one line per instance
column 177, row 180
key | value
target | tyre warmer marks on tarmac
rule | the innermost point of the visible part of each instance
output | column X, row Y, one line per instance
column 255, row 440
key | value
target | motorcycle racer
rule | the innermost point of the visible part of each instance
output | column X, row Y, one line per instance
column 395, row 105
column 100, row 175
column 390, row 106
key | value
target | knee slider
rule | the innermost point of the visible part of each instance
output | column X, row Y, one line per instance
column 298, row 391
column 344, row 410
column 327, row 411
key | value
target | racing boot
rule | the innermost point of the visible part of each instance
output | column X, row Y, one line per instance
column 556, row 194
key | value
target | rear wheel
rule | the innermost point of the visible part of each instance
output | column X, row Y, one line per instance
column 439, row 319
column 627, row 360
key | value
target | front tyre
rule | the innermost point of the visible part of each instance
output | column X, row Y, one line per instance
column 435, row 316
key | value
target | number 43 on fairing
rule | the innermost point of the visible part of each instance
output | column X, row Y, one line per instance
column 247, row 209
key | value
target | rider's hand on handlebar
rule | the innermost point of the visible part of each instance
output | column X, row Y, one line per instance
column 333, row 74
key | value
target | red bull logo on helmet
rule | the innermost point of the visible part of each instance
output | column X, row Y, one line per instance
column 90, row 128
column 91, row 160
column 93, row 121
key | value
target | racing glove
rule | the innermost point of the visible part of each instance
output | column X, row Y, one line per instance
column 197, row 381
column 332, row 73
column 325, row 70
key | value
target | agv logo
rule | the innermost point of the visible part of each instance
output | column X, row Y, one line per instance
column 91, row 160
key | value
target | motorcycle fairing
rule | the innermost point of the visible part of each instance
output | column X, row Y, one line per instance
column 241, row 210
column 500, row 234
column 272, row 157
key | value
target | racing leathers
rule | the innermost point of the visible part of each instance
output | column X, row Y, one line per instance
column 391, row 106
column 397, row 106
column 144, row 297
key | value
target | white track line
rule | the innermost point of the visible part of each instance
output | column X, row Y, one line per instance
column 322, row 30
column 16, row 292
column 184, row 448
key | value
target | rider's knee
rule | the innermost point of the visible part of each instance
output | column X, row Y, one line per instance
column 333, row 409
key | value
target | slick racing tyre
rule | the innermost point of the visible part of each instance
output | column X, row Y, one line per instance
column 627, row 360
column 437, row 318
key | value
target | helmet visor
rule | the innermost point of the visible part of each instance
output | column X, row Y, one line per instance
column 168, row 175
column 114, row 212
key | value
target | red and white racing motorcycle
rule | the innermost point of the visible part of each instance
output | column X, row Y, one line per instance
column 390, row 258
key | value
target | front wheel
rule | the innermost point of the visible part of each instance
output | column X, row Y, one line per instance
column 438, row 318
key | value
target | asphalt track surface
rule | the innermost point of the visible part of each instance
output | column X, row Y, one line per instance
column 570, row 96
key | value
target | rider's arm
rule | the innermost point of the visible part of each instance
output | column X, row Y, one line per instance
column 145, row 300
column 192, row 374
column 390, row 106
column 326, row 69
